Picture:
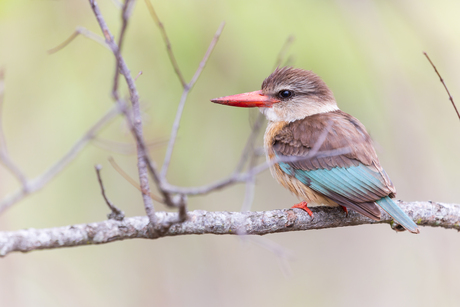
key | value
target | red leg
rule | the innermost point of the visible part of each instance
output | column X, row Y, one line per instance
column 345, row 209
column 303, row 206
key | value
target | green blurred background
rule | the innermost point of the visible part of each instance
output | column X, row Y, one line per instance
column 368, row 52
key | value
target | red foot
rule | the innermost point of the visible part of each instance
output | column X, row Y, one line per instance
column 345, row 209
column 303, row 206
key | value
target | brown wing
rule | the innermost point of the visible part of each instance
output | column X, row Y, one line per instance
column 344, row 166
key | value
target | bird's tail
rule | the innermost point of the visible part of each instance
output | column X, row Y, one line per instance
column 397, row 214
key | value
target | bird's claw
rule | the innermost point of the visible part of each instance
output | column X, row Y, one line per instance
column 303, row 206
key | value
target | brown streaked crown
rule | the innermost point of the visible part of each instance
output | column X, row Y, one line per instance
column 301, row 82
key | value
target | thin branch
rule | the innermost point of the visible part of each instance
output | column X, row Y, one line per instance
column 2, row 97
column 86, row 33
column 142, row 156
column 117, row 4
column 125, row 148
column 41, row 180
column 284, row 49
column 172, row 58
column 244, row 177
column 249, row 147
column 248, row 151
column 249, row 194
column 206, row 56
column 283, row 254
column 125, row 14
column 116, row 213
column 443, row 83
column 205, row 189
column 4, row 156
column 151, row 167
column 219, row 223
column 185, row 93
column 138, row 75
column 251, row 182
column 131, row 180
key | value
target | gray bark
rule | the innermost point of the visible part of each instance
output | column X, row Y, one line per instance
column 219, row 223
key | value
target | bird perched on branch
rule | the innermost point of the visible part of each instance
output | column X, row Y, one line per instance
column 323, row 155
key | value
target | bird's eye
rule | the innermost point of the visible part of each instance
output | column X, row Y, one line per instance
column 285, row 94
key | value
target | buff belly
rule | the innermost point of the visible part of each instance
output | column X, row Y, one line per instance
column 291, row 183
column 300, row 190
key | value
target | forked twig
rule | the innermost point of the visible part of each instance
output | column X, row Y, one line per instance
column 125, row 13
column 443, row 83
column 131, row 180
column 116, row 213
column 86, row 33
column 142, row 156
column 172, row 58
column 185, row 93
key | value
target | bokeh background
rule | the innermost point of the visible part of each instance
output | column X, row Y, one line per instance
column 368, row 52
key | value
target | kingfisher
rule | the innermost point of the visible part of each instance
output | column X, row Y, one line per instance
column 321, row 154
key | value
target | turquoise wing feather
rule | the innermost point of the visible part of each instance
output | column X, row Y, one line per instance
column 355, row 184
column 352, row 177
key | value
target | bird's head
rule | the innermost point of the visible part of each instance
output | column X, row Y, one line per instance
column 288, row 94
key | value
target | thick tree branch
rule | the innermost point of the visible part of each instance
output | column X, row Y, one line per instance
column 203, row 222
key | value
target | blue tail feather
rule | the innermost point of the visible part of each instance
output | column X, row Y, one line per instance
column 397, row 214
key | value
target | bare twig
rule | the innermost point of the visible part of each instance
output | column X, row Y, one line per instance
column 85, row 32
column 443, row 83
column 117, row 4
column 284, row 49
column 249, row 147
column 4, row 156
column 185, row 93
column 249, row 150
column 131, row 180
column 138, row 75
column 142, row 156
column 283, row 254
column 151, row 167
column 251, row 182
column 238, row 176
column 116, row 213
column 249, row 194
column 172, row 58
column 203, row 222
column 244, row 177
column 2, row 97
column 205, row 189
column 40, row 181
column 125, row 14
column 125, row 148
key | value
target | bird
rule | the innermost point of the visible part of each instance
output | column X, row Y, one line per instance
column 321, row 154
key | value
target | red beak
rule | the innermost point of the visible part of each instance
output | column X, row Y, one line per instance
column 247, row 100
